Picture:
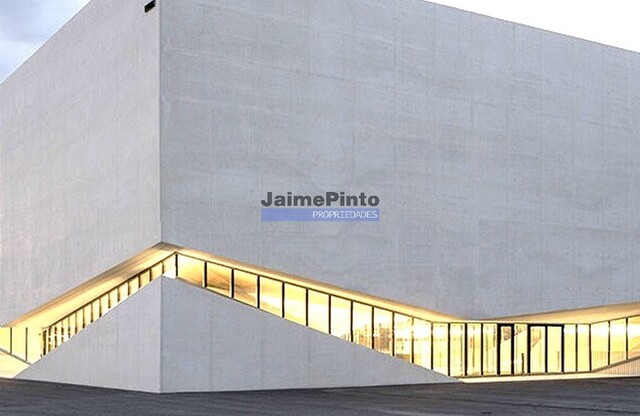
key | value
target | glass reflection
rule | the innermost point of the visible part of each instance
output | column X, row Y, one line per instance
column 422, row 337
column 490, row 349
column 134, row 285
column 295, row 304
column 521, row 349
column 245, row 287
column 382, row 330
column 5, row 339
column 506, row 349
column 319, row 311
column 190, row 269
column 123, row 291
column 145, row 278
column 570, row 349
column 95, row 310
column 156, row 271
column 18, row 342
column 113, row 298
column 362, row 324
column 271, row 295
column 634, row 336
column 456, row 350
column 219, row 279
column 169, row 266
column 554, row 349
column 618, row 343
column 538, row 347
column 583, row 348
column 402, row 330
column 441, row 348
column 341, row 318
column 474, row 342
column 599, row 345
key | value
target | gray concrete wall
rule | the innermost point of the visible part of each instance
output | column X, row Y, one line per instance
column 120, row 350
column 506, row 157
column 79, row 151
column 212, row 343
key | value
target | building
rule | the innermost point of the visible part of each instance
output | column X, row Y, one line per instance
column 143, row 138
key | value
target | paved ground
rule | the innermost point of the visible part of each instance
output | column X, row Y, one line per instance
column 571, row 397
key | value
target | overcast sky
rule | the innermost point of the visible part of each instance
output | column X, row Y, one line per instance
column 26, row 24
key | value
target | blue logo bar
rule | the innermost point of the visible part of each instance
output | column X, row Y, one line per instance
column 321, row 214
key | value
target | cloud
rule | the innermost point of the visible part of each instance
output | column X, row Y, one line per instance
column 26, row 24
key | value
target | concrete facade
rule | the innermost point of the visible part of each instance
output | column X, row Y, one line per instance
column 79, row 177
column 504, row 156
column 174, row 337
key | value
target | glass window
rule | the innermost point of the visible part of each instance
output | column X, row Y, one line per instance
column 362, row 324
column 58, row 332
column 490, row 349
column 295, row 304
column 319, row 311
column 145, row 278
column 95, row 310
column 554, row 349
column 113, row 298
column 170, row 266
column 522, row 349
column 583, row 348
column 506, row 349
column 402, row 326
column 104, row 304
column 422, row 343
column 618, row 341
column 634, row 336
column 341, row 318
column 19, row 342
column 441, row 348
column 5, row 339
column 134, row 285
column 456, row 350
column 271, row 295
column 34, row 344
column 88, row 315
column 72, row 325
column 474, row 351
column 570, row 349
column 123, row 291
column 599, row 345
column 46, row 341
column 156, row 271
column 53, row 338
column 191, row 269
column 538, row 349
column 245, row 287
column 79, row 320
column 383, row 330
column 219, row 279
column 65, row 329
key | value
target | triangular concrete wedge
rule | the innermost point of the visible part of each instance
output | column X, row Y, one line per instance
column 175, row 337
column 120, row 350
